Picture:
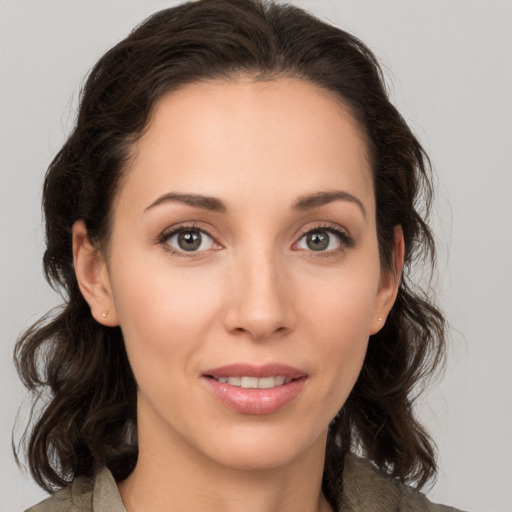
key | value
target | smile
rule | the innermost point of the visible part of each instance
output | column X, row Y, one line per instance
column 255, row 382
column 249, row 389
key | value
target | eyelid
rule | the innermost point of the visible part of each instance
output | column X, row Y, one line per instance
column 346, row 240
column 169, row 232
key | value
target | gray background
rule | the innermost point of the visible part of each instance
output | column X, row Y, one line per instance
column 450, row 66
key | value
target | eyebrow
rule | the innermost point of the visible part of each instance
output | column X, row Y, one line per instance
column 197, row 201
column 310, row 201
column 303, row 203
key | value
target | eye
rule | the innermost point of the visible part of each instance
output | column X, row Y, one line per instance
column 324, row 240
column 188, row 240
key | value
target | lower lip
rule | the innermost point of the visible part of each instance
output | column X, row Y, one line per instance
column 255, row 401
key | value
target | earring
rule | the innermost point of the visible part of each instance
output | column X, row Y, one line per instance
column 104, row 314
column 379, row 319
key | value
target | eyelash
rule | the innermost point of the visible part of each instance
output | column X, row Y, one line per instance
column 163, row 239
column 346, row 241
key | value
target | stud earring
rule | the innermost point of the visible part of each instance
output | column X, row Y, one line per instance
column 379, row 319
column 104, row 314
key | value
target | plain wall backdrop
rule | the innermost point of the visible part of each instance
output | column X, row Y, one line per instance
column 449, row 64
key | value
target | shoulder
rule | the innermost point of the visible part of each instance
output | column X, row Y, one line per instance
column 367, row 489
column 85, row 495
column 75, row 498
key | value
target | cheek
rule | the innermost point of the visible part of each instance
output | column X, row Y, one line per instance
column 340, row 330
column 337, row 314
column 341, row 302
column 163, row 310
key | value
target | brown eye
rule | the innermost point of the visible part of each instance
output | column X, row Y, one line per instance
column 189, row 240
column 317, row 240
column 328, row 240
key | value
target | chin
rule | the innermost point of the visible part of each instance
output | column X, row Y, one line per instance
column 258, row 449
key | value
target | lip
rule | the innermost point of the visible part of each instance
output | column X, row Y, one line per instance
column 250, row 370
column 255, row 401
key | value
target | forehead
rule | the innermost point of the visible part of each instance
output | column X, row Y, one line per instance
column 259, row 139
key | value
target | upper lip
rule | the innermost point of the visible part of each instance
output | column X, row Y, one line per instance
column 250, row 370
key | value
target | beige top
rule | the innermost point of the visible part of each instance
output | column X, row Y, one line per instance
column 365, row 490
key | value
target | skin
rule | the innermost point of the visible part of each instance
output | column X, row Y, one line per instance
column 255, row 291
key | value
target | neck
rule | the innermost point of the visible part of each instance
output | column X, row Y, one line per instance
column 175, row 477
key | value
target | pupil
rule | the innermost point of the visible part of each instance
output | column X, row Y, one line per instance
column 318, row 241
column 189, row 240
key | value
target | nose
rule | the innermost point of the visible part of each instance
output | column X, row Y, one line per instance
column 260, row 303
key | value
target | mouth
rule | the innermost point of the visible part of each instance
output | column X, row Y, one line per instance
column 249, row 389
column 247, row 382
column 246, row 370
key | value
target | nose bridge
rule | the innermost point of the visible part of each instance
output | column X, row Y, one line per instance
column 260, row 304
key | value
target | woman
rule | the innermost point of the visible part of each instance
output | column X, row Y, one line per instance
column 234, row 219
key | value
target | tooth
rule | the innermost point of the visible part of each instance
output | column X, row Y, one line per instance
column 234, row 381
column 266, row 382
column 255, row 382
column 249, row 382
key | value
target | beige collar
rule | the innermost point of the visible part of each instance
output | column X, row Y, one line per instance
column 365, row 489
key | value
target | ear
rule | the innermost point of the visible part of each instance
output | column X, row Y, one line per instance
column 92, row 276
column 389, row 283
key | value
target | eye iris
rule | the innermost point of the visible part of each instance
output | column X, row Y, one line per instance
column 189, row 240
column 317, row 241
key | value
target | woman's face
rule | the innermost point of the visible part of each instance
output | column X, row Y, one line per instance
column 244, row 251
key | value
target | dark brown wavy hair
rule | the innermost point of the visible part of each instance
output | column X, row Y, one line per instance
column 80, row 368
